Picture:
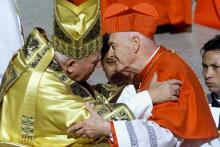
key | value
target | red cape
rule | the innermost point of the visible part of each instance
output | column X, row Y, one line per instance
column 190, row 117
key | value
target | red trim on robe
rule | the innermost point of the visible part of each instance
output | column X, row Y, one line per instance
column 115, row 140
column 190, row 116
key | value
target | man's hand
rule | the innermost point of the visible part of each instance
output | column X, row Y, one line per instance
column 164, row 91
column 93, row 127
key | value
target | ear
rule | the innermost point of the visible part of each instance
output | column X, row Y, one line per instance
column 135, row 43
column 70, row 65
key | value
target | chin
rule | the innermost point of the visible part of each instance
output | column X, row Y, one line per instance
column 213, row 89
column 84, row 78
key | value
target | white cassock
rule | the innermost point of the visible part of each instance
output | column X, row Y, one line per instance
column 11, row 38
column 144, row 133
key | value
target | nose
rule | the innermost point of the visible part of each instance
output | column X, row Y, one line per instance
column 98, row 65
column 208, row 73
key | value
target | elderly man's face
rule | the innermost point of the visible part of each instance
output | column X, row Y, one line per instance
column 121, row 45
column 211, row 70
column 84, row 67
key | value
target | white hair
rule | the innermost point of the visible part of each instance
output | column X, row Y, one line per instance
column 61, row 58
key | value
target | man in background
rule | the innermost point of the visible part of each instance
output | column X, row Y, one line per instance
column 211, row 73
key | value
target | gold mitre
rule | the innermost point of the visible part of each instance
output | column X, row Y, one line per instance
column 77, row 31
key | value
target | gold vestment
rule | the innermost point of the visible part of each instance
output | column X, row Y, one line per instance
column 39, row 102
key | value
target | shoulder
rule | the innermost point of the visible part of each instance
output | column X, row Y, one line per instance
column 35, row 48
column 173, row 63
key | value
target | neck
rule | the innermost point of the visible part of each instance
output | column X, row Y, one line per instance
column 144, row 57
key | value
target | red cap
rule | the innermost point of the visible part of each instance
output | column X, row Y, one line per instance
column 128, row 15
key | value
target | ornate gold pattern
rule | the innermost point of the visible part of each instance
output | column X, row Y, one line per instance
column 77, row 89
column 114, row 112
column 8, row 79
column 31, row 54
column 76, row 52
column 27, row 128
column 77, row 28
column 30, row 46
column 108, row 93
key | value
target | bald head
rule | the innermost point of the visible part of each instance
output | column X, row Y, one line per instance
column 77, row 69
column 131, row 50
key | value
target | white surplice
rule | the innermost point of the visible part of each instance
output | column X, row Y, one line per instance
column 145, row 133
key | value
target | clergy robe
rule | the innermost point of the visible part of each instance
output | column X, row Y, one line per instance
column 173, row 11
column 208, row 13
column 170, row 11
column 184, row 118
column 38, row 102
column 171, row 121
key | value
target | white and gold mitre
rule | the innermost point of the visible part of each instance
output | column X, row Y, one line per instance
column 77, row 28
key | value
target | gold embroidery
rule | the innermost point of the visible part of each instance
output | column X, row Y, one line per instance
column 30, row 46
column 10, row 76
column 31, row 54
column 77, row 28
column 27, row 127
column 114, row 112
column 68, row 49
column 108, row 93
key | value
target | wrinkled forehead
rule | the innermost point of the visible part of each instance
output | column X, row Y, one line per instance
column 118, row 36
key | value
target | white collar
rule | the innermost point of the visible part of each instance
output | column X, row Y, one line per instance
column 153, row 54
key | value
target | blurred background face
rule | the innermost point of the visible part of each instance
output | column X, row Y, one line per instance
column 84, row 67
column 108, row 64
column 109, row 67
column 121, row 46
column 211, row 70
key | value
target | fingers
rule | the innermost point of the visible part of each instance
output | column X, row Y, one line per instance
column 175, row 87
column 90, row 108
column 79, row 132
column 85, row 136
column 174, row 82
column 74, row 128
column 174, row 98
column 176, row 92
column 154, row 79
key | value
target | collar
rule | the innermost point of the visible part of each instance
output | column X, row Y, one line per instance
column 141, row 76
